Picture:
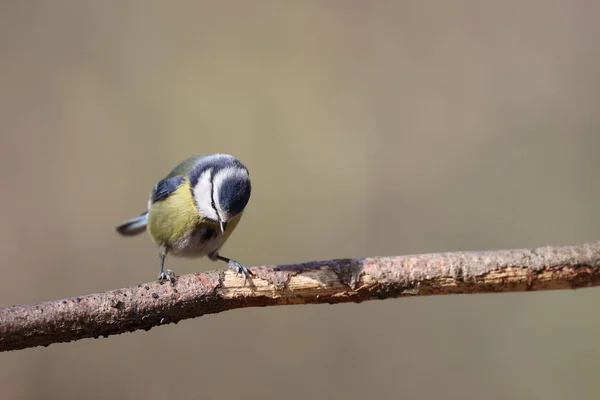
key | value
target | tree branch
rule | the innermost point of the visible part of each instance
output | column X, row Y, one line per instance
column 336, row 281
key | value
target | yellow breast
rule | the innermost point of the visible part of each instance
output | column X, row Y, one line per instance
column 174, row 217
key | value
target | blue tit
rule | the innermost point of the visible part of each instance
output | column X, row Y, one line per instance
column 194, row 210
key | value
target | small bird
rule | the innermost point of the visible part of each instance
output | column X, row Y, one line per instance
column 194, row 209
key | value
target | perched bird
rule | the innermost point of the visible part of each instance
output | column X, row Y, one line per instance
column 194, row 209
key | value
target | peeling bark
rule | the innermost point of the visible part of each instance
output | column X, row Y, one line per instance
column 337, row 281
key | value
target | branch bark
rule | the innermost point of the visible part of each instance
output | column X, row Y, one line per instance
column 336, row 281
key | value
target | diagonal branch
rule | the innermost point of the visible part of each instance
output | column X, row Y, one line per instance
column 336, row 281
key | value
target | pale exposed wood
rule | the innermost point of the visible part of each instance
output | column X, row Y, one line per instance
column 336, row 281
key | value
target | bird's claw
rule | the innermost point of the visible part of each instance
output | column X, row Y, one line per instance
column 167, row 275
column 240, row 269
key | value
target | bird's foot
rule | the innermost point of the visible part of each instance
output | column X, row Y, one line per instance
column 240, row 269
column 167, row 275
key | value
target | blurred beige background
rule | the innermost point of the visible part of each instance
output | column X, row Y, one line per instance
column 369, row 128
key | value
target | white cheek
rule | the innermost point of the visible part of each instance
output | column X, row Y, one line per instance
column 224, row 174
column 202, row 195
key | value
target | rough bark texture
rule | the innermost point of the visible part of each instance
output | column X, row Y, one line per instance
column 336, row 281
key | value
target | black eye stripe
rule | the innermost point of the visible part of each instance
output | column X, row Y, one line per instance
column 212, row 193
column 235, row 199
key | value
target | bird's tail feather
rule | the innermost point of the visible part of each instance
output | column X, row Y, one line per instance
column 133, row 226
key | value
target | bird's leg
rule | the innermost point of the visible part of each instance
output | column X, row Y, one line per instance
column 167, row 275
column 234, row 265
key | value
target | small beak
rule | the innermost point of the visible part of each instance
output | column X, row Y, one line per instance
column 223, row 226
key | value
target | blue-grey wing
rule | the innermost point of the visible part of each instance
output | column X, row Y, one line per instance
column 165, row 187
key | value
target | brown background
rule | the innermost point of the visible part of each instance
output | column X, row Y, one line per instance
column 369, row 128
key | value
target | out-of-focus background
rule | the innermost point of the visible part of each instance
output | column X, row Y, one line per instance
column 369, row 128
